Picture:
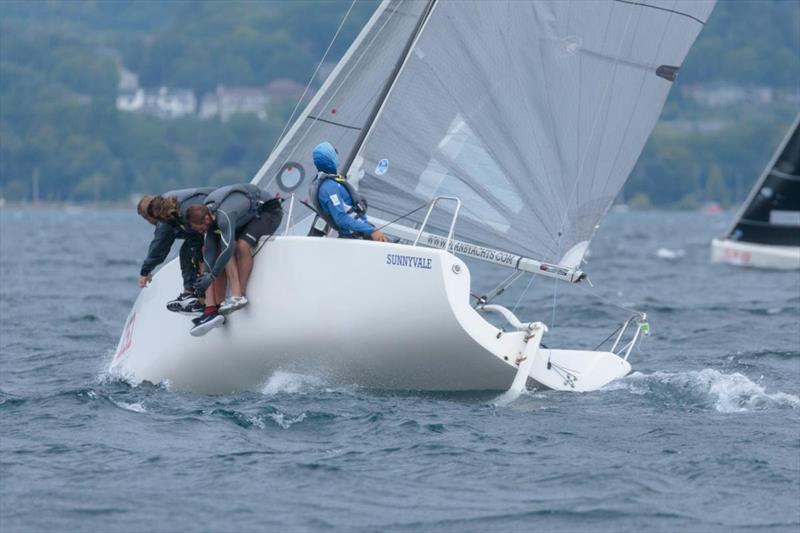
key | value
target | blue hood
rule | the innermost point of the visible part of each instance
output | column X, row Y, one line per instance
column 325, row 158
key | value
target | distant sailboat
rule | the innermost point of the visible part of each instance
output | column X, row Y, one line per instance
column 766, row 231
column 530, row 115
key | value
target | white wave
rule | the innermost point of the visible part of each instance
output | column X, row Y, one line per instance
column 286, row 421
column 728, row 393
column 291, row 383
column 136, row 407
column 669, row 254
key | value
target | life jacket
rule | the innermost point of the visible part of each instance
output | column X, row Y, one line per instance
column 253, row 193
column 359, row 206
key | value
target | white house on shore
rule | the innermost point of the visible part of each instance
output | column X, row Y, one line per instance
column 163, row 103
column 225, row 102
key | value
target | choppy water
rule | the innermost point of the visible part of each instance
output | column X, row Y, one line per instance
column 704, row 436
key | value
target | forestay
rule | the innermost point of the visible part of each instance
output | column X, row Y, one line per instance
column 340, row 109
column 532, row 113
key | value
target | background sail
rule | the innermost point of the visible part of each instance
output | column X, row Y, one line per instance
column 771, row 213
column 341, row 107
column 533, row 113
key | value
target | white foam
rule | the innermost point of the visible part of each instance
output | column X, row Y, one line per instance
column 287, row 421
column 728, row 393
column 136, row 407
column 669, row 254
column 291, row 383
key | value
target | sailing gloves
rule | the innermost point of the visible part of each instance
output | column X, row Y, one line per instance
column 204, row 282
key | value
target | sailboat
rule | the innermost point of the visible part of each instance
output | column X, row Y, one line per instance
column 766, row 230
column 497, row 131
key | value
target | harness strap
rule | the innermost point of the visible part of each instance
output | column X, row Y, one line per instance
column 359, row 206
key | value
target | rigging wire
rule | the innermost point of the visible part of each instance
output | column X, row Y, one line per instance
column 406, row 215
column 313, row 76
column 524, row 292
column 610, row 302
column 499, row 289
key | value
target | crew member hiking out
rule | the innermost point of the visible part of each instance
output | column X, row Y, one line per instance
column 336, row 201
column 233, row 219
column 168, row 214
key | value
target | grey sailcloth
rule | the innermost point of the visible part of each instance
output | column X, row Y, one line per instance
column 532, row 113
column 339, row 111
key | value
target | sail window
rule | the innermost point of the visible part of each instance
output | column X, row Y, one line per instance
column 461, row 150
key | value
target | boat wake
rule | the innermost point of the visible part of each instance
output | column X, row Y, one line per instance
column 705, row 389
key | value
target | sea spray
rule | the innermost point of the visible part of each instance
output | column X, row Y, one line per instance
column 726, row 393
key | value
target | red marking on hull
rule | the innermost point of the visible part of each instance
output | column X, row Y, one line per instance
column 127, row 338
column 737, row 255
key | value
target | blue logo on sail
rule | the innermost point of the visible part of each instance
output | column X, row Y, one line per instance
column 383, row 166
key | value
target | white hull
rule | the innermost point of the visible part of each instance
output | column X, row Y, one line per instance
column 346, row 311
column 755, row 255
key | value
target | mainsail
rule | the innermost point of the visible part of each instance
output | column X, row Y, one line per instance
column 771, row 213
column 532, row 113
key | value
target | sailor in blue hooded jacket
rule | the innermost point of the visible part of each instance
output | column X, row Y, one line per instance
column 335, row 202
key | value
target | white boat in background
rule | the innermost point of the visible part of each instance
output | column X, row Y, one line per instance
column 766, row 231
column 530, row 115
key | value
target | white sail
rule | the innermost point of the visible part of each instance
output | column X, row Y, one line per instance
column 340, row 109
column 532, row 113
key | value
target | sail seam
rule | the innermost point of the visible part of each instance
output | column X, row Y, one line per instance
column 326, row 121
column 662, row 9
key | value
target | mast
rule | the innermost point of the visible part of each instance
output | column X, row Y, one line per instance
column 386, row 88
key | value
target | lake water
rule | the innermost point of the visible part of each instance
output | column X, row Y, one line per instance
column 703, row 436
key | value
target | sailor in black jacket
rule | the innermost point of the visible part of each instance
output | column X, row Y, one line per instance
column 233, row 219
column 168, row 213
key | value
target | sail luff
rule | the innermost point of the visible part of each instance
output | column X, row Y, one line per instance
column 764, row 175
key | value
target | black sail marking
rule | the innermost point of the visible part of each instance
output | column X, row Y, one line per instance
column 334, row 123
column 668, row 72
